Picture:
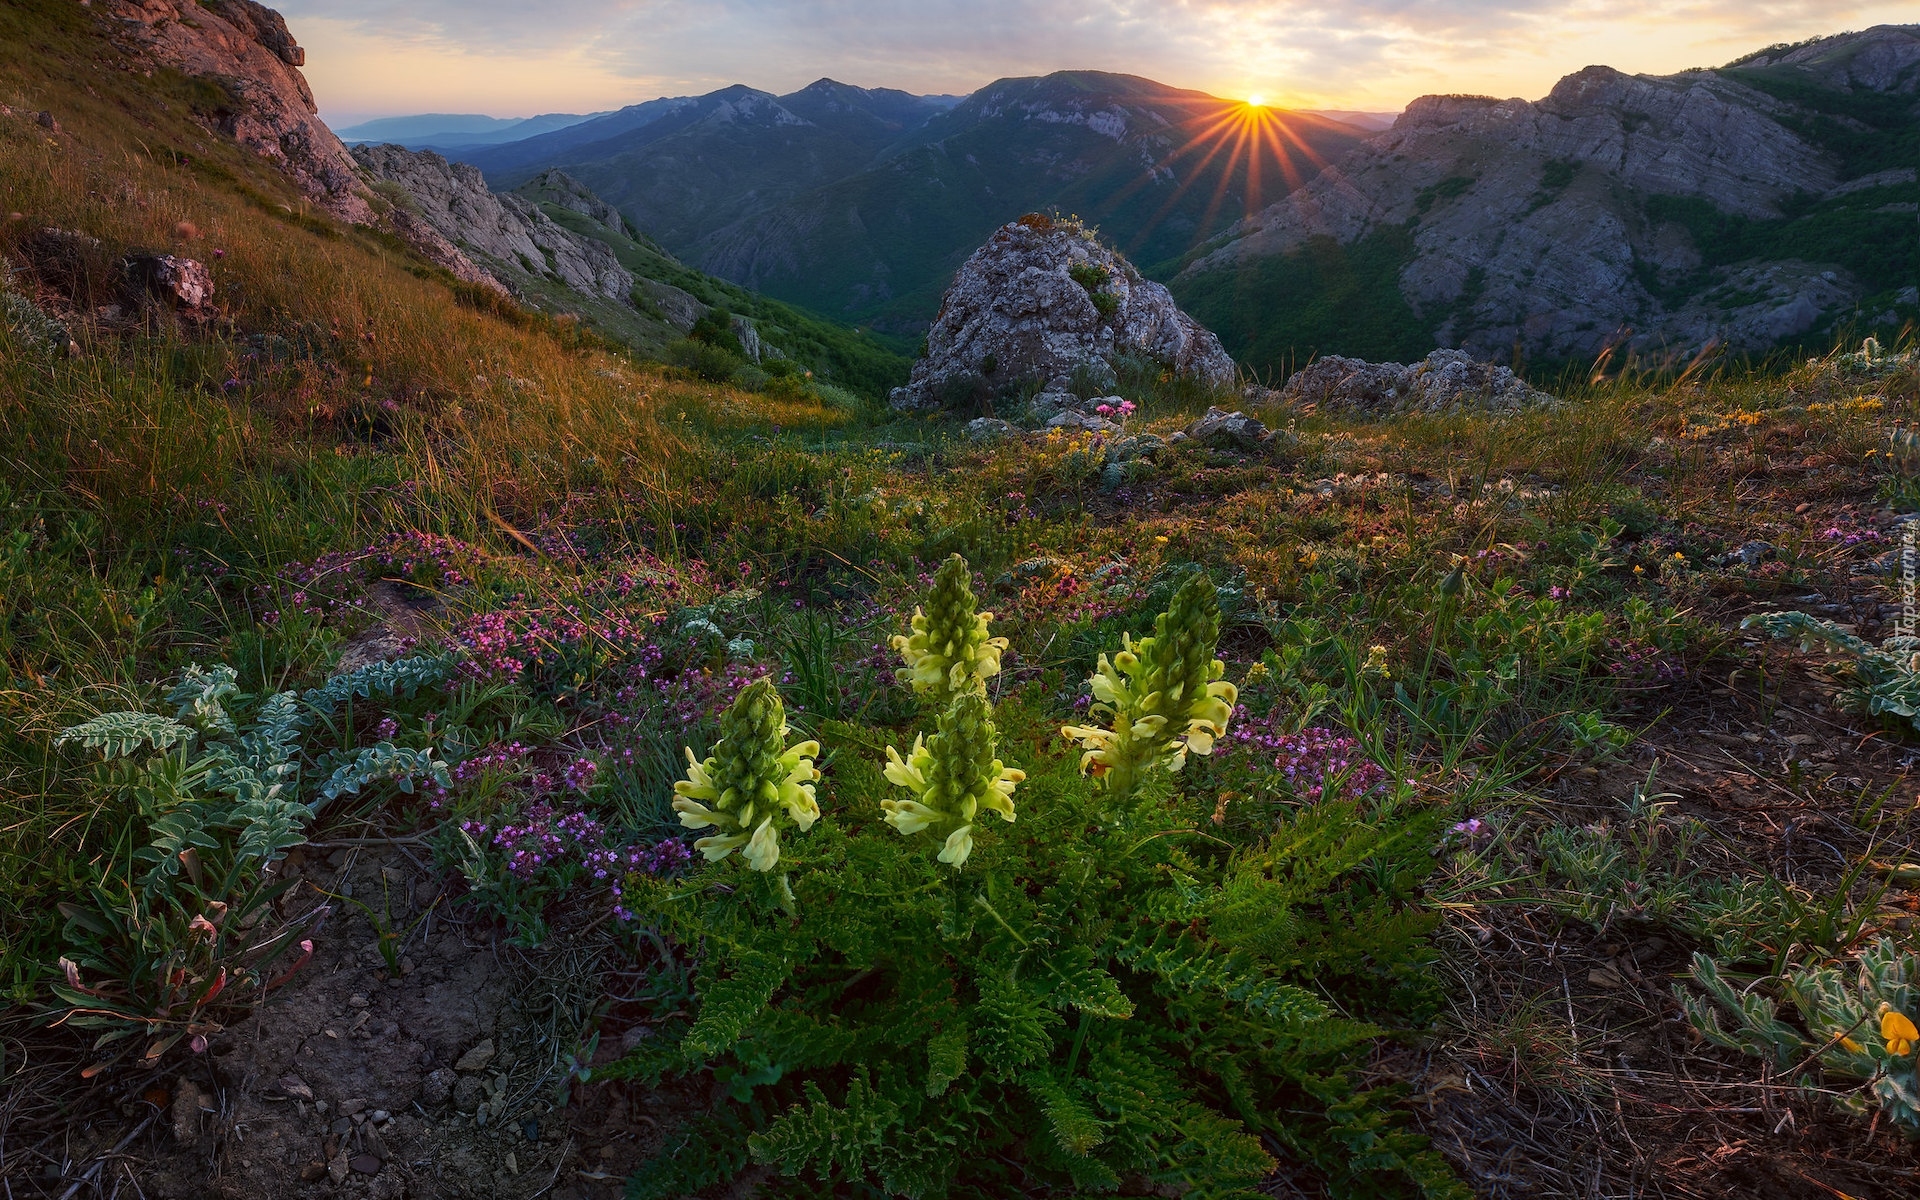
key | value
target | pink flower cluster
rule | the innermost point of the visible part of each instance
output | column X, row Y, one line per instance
column 1315, row 763
column 546, row 837
column 503, row 643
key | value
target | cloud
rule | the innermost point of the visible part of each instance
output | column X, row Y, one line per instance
column 502, row 56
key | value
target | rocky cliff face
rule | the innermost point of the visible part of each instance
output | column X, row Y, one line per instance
column 246, row 47
column 505, row 232
column 1605, row 212
column 1043, row 298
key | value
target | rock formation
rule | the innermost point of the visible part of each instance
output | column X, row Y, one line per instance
column 507, row 232
column 1042, row 298
column 247, row 48
column 1586, row 219
column 1447, row 381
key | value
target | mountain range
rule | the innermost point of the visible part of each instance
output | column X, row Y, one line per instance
column 1769, row 202
column 860, row 203
column 456, row 131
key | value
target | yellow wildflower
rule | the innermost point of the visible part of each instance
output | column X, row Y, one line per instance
column 1898, row 1032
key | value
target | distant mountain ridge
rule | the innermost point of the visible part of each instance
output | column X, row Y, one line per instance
column 444, row 130
column 1769, row 201
column 861, row 202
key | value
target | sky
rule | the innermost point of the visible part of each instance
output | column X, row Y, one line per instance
column 369, row 58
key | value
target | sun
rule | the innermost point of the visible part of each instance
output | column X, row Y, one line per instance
column 1256, row 101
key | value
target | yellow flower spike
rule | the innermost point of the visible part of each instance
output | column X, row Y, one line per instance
column 1163, row 695
column 948, row 650
column 1898, row 1032
column 752, row 782
column 950, row 777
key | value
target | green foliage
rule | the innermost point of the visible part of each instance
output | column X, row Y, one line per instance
column 1856, row 1023
column 1858, row 231
column 715, row 364
column 1276, row 312
column 1107, row 991
column 179, row 913
column 1886, row 680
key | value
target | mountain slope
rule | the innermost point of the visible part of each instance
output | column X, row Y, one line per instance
column 1157, row 168
column 694, row 165
column 1749, row 206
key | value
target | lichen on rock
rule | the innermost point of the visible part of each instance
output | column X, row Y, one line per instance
column 1043, row 298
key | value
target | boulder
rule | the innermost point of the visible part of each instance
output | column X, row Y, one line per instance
column 1043, row 298
column 185, row 282
column 1445, row 381
column 1088, row 422
column 990, row 429
column 1227, row 430
column 268, row 108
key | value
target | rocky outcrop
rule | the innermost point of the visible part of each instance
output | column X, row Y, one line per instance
column 1043, row 298
column 247, row 48
column 507, row 233
column 1570, row 224
column 1447, row 381
column 556, row 187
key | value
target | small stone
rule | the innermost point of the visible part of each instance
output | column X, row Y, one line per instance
column 295, row 1087
column 468, row 1093
column 47, row 122
column 438, row 1087
column 341, row 1126
column 337, row 1168
column 989, row 429
column 477, row 1058
column 406, row 965
column 366, row 1164
column 357, row 1001
column 531, row 1128
column 186, row 1111
column 321, row 1106
column 313, row 1172
column 380, row 1116
column 350, row 1107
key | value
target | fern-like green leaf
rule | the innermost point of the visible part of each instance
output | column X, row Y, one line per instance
column 826, row 1137
column 946, row 1058
column 117, row 735
column 1185, row 963
column 1013, row 1027
column 729, row 1005
column 1074, row 1126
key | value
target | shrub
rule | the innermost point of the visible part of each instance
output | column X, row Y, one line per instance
column 715, row 364
column 1101, row 993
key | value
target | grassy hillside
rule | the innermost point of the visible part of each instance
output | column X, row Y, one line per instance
column 367, row 568
column 860, row 360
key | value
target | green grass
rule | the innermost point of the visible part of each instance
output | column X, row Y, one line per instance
column 1351, row 304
